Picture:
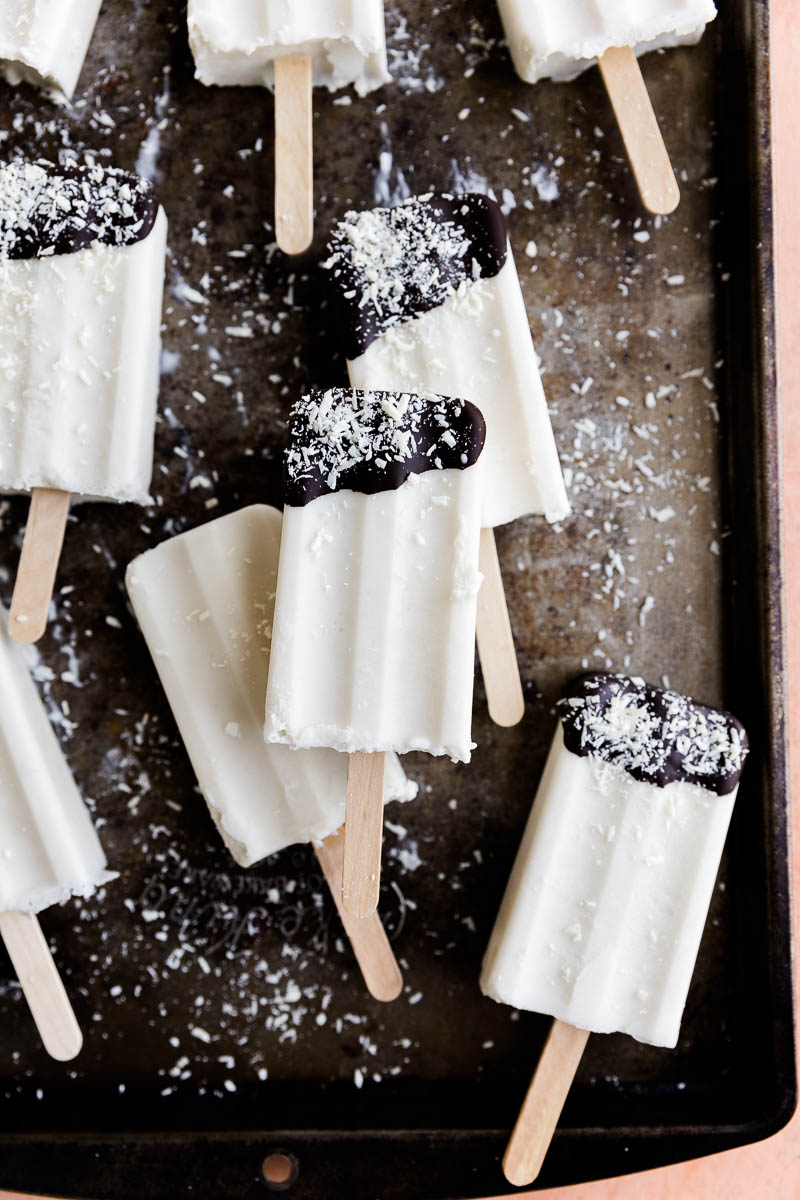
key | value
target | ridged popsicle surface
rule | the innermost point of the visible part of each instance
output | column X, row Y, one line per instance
column 431, row 302
column 377, row 601
column 44, row 42
column 236, row 45
column 79, row 369
column 49, row 850
column 561, row 40
column 205, row 603
column 477, row 345
column 601, row 921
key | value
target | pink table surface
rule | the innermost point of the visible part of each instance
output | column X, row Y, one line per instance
column 770, row 1168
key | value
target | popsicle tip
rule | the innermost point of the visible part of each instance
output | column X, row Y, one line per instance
column 293, row 238
column 520, row 1174
column 26, row 628
column 68, row 1045
column 359, row 904
column 664, row 202
column 388, row 989
column 508, row 713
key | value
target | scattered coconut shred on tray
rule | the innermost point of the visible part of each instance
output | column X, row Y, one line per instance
column 228, row 990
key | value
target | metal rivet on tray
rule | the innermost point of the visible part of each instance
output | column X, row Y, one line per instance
column 279, row 1170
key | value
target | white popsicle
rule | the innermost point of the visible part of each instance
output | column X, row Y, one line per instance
column 373, row 642
column 239, row 44
column 561, row 41
column 290, row 47
column 81, row 281
column 44, row 42
column 431, row 301
column 601, row 921
column 205, row 603
column 49, row 850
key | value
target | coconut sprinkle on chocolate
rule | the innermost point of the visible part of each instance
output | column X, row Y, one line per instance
column 372, row 441
column 47, row 210
column 657, row 736
column 391, row 264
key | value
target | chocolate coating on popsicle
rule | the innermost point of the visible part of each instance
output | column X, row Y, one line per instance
column 372, row 441
column 390, row 265
column 656, row 736
column 46, row 210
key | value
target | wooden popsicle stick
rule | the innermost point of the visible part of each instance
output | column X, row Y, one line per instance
column 543, row 1103
column 367, row 936
column 496, row 641
column 363, row 834
column 638, row 125
column 41, row 985
column 294, row 155
column 38, row 563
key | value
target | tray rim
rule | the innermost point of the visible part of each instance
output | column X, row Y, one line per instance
column 91, row 1153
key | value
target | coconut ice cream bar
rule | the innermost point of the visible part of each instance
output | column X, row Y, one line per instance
column 49, row 850
column 205, row 603
column 290, row 46
column 44, row 42
column 430, row 300
column 373, row 640
column 81, row 280
column 606, row 904
column 559, row 43
column 562, row 41
column 239, row 44
column 378, row 575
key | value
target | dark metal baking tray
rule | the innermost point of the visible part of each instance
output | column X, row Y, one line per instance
column 669, row 566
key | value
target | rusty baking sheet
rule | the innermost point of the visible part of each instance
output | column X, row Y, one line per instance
column 224, row 1017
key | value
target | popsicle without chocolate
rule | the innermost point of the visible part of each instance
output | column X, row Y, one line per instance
column 49, row 850
column 44, row 42
column 561, row 41
column 205, row 603
column 289, row 46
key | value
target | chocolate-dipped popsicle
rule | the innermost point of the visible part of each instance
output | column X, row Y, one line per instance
column 373, row 639
column 430, row 300
column 601, row 921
